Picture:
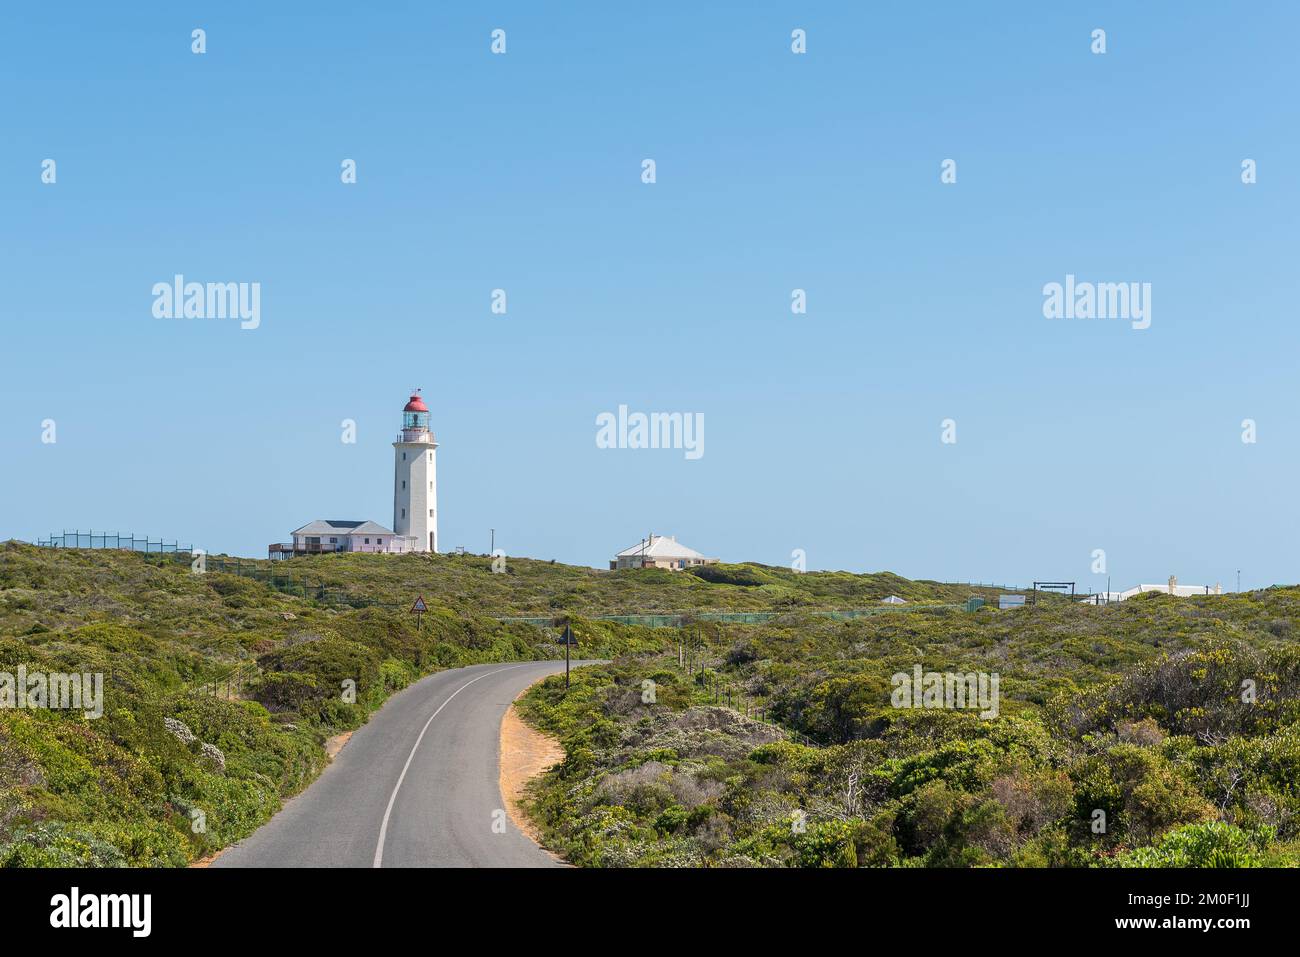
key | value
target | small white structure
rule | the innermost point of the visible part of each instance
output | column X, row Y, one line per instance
column 1101, row 598
column 893, row 600
column 334, row 535
column 659, row 551
column 415, row 478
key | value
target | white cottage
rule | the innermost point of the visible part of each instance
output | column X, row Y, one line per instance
column 659, row 551
column 334, row 535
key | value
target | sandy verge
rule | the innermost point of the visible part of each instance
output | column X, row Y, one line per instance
column 525, row 754
column 335, row 744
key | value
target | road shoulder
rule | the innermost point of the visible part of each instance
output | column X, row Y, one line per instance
column 525, row 754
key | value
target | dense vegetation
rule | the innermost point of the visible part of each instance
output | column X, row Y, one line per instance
column 466, row 585
column 185, row 759
column 177, row 768
column 1157, row 732
column 221, row 690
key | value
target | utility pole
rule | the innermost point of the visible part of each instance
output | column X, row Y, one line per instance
column 1238, row 579
column 492, row 549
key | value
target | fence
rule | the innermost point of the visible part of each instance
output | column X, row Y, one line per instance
column 80, row 539
column 231, row 683
column 271, row 575
column 317, row 590
column 693, row 657
column 267, row 573
column 398, row 545
column 281, row 581
column 682, row 619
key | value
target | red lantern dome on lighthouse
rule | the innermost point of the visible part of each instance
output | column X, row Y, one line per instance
column 415, row 418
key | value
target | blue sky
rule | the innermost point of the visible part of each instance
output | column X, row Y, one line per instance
column 775, row 171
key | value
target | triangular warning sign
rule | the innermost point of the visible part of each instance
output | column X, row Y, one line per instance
column 419, row 605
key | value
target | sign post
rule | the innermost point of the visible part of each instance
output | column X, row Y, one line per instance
column 418, row 609
column 568, row 640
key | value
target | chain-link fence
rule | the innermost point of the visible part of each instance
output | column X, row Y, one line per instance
column 684, row 619
column 115, row 540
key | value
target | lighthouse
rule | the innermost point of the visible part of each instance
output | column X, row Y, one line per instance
column 415, row 481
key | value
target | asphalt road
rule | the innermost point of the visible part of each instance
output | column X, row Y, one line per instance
column 416, row 786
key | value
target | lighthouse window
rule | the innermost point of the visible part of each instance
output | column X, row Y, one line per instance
column 403, row 483
column 403, row 456
column 430, row 456
column 431, row 513
column 403, row 513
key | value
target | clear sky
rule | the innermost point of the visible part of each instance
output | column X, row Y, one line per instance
column 775, row 171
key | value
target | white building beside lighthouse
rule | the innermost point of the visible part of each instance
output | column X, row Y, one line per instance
column 415, row 481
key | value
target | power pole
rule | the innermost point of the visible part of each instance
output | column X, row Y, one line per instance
column 1238, row 579
column 492, row 549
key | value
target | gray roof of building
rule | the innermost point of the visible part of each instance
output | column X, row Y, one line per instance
column 334, row 526
column 372, row 528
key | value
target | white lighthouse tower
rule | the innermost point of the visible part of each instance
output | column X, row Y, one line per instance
column 415, row 478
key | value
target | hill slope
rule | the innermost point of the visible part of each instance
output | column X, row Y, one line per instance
column 527, row 587
column 1157, row 732
column 220, row 689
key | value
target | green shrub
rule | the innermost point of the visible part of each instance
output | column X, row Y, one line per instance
column 744, row 575
column 55, row 844
column 1214, row 844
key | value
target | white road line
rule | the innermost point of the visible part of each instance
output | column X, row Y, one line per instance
column 383, row 828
